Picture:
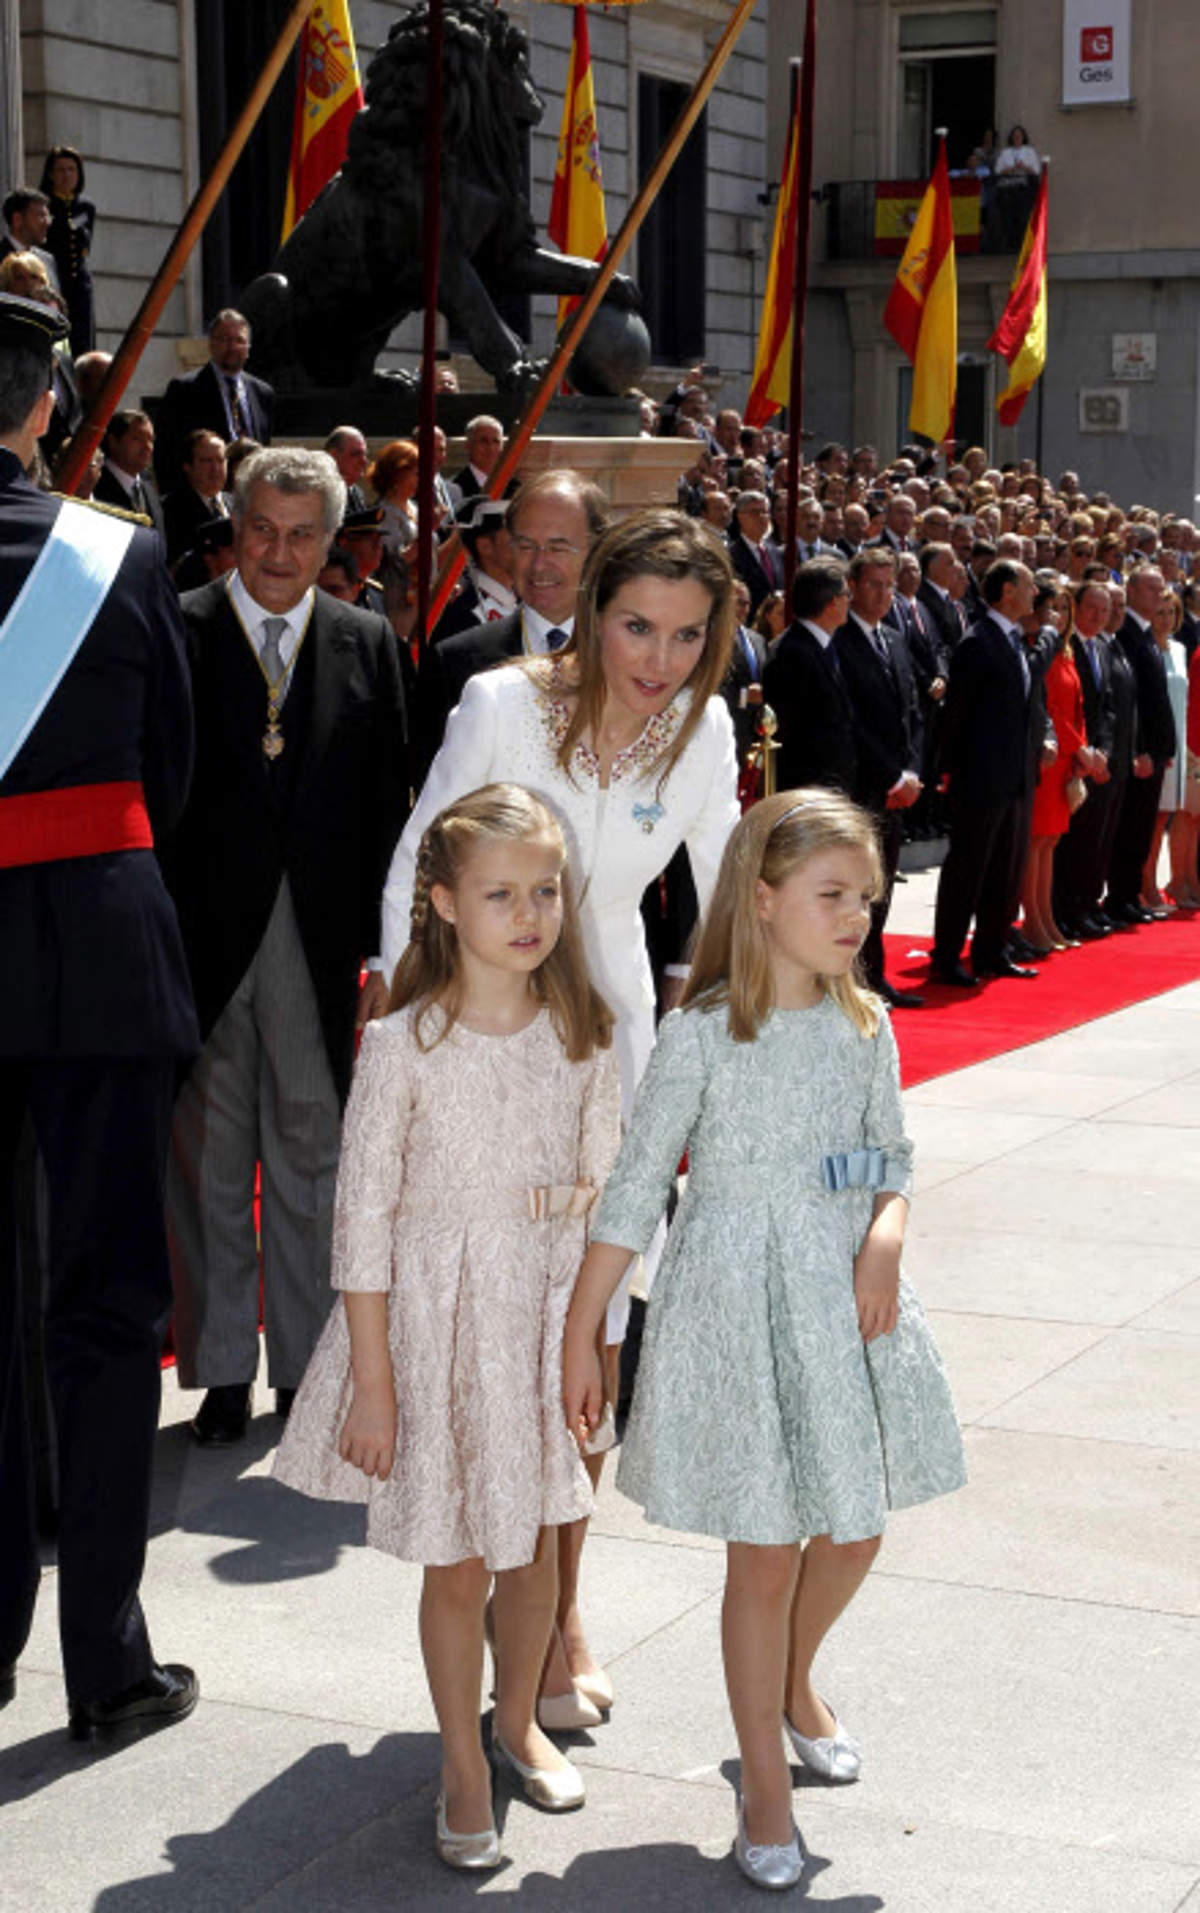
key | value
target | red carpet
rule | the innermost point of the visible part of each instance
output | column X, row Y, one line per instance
column 958, row 1027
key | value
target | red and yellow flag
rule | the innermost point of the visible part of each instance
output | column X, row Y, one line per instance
column 328, row 95
column 770, row 385
column 922, row 309
column 576, row 223
column 1020, row 337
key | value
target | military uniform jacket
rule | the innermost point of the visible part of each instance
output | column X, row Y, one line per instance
column 91, row 961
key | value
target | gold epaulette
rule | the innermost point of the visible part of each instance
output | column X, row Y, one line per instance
column 114, row 511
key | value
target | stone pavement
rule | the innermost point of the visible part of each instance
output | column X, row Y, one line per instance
column 1023, row 1666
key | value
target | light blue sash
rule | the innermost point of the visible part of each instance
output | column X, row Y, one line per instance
column 52, row 614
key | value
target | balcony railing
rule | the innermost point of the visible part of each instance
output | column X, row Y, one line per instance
column 872, row 218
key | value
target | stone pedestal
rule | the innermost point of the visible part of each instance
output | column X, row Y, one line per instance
column 630, row 471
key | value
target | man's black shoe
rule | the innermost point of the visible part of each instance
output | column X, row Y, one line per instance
column 8, row 1684
column 1005, row 968
column 284, row 1397
column 956, row 973
column 223, row 1416
column 1020, row 949
column 166, row 1695
column 1109, row 915
column 900, row 999
column 1091, row 929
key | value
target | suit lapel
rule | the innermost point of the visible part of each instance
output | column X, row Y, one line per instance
column 334, row 655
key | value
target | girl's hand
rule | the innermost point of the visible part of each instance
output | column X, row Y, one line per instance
column 583, row 1390
column 876, row 1288
column 368, row 1438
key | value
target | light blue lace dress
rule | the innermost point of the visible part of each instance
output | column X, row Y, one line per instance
column 759, row 1413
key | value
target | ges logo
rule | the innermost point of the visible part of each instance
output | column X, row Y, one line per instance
column 1095, row 43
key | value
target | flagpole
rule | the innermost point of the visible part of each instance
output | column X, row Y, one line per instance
column 802, row 102
column 569, row 338
column 431, row 244
column 141, row 326
column 1038, row 443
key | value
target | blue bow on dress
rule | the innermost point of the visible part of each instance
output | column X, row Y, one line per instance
column 854, row 1169
column 647, row 815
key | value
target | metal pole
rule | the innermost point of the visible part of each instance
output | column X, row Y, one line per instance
column 580, row 319
column 141, row 327
column 432, row 242
column 804, row 170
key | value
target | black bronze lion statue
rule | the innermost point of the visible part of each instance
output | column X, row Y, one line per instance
column 350, row 271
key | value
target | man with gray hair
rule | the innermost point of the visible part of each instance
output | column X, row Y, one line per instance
column 277, row 867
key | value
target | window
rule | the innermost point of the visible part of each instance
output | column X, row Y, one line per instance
column 947, row 78
column 671, row 247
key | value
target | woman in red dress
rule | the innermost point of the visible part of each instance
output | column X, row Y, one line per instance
column 1051, row 810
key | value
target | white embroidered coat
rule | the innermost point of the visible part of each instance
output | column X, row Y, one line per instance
column 507, row 729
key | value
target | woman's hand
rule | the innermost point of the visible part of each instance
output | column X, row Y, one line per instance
column 368, row 1438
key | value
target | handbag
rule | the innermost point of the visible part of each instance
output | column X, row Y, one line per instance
column 1075, row 791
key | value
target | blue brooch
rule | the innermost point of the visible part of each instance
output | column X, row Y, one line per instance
column 647, row 815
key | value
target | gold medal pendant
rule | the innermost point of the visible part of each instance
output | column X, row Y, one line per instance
column 273, row 741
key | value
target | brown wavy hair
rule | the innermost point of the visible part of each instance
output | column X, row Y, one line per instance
column 648, row 544
column 429, row 974
column 731, row 968
column 391, row 462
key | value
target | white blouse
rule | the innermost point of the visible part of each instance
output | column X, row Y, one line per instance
column 507, row 729
column 1018, row 160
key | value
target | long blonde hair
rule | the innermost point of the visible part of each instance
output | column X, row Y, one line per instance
column 657, row 544
column 429, row 973
column 731, row 968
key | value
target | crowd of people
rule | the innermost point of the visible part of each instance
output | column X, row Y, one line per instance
column 245, row 825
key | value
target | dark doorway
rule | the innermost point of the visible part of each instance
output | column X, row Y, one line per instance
column 962, row 98
column 242, row 237
column 671, row 247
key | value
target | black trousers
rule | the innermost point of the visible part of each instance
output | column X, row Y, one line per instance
column 1082, row 854
column 976, row 881
column 102, row 1126
column 1133, row 834
column 889, row 828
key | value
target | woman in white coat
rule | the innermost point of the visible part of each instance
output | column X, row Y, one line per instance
column 623, row 733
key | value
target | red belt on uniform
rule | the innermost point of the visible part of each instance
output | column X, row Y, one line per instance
column 83, row 820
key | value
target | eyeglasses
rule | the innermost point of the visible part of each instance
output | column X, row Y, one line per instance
column 556, row 548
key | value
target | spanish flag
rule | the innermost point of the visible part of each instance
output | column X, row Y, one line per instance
column 1020, row 337
column 922, row 309
column 576, row 223
column 328, row 95
column 770, row 386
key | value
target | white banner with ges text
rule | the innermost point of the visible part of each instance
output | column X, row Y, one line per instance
column 1096, row 37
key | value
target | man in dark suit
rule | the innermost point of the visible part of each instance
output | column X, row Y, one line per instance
column 1155, row 746
column 221, row 396
column 125, row 480
column 95, row 1017
column 487, row 589
column 899, row 519
column 803, row 685
column 754, row 558
column 985, row 754
column 878, row 675
column 552, row 522
column 348, row 449
column 1078, row 858
column 742, row 688
column 200, row 497
column 485, row 442
column 276, row 867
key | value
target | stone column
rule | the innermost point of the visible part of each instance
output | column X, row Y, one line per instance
column 12, row 137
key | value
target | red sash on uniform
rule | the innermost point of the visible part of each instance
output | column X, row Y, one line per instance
column 83, row 820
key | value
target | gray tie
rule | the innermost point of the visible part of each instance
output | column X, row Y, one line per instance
column 272, row 660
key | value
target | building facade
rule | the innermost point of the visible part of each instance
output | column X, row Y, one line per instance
column 147, row 89
column 1122, row 382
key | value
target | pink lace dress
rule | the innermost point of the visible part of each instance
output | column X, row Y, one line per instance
column 457, row 1193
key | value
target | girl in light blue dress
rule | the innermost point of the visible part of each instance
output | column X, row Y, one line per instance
column 788, row 1384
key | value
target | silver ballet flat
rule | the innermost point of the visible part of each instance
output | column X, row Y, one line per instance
column 772, row 1867
column 837, row 1756
column 470, row 1852
column 595, row 1687
column 554, row 1789
column 567, row 1713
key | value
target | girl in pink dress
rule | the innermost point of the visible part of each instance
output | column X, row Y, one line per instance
column 483, row 1118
